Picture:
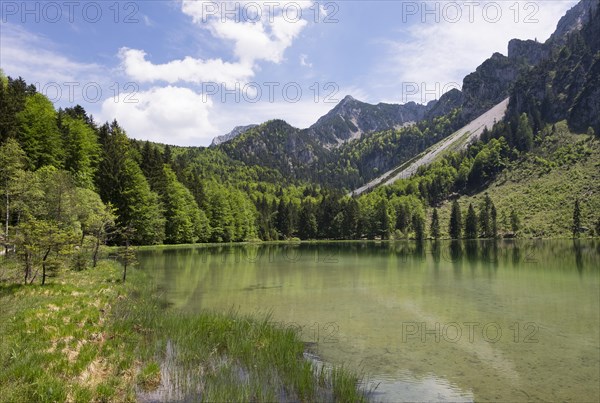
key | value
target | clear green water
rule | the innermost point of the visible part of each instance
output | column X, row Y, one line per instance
column 510, row 321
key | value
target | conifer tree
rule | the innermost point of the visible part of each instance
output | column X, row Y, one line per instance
column 471, row 223
column 435, row 224
column 455, row 226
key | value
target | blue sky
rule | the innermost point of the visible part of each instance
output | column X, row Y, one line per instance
column 182, row 72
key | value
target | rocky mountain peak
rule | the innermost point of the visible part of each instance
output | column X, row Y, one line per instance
column 529, row 52
column 231, row 135
column 573, row 20
column 351, row 119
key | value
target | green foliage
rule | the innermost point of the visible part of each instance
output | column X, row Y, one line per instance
column 81, row 149
column 123, row 185
column 38, row 133
column 13, row 94
column 515, row 222
column 435, row 224
column 307, row 221
column 471, row 223
column 185, row 222
column 12, row 162
column 455, row 225
column 231, row 214
column 418, row 223
column 576, row 219
column 79, row 261
column 524, row 134
column 55, row 217
column 488, row 224
column 228, row 193
column 285, row 219
column 488, row 162
column 537, row 200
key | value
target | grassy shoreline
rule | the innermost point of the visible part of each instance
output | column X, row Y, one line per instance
column 87, row 336
column 342, row 241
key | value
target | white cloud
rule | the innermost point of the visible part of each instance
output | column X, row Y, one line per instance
column 172, row 115
column 440, row 54
column 258, row 30
column 304, row 61
column 189, row 69
column 261, row 31
column 177, row 115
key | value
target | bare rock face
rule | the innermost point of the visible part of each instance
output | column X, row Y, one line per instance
column 350, row 119
column 566, row 85
column 488, row 85
column 447, row 103
column 231, row 135
column 572, row 21
column 528, row 52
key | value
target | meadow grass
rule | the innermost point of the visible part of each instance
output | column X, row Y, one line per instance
column 542, row 187
column 87, row 336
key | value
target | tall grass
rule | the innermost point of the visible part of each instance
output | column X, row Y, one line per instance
column 230, row 357
column 89, row 337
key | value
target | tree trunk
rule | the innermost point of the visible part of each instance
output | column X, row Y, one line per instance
column 44, row 266
column 6, row 226
column 96, row 248
column 27, row 268
column 126, row 260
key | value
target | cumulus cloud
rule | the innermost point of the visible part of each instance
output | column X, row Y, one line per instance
column 178, row 115
column 173, row 115
column 188, row 69
column 257, row 31
column 438, row 54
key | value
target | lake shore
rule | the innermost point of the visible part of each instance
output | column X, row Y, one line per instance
column 87, row 336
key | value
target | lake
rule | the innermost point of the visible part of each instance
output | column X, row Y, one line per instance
column 455, row 321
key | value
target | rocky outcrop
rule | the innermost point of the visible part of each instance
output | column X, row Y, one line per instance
column 231, row 135
column 572, row 21
column 528, row 52
column 566, row 85
column 488, row 85
column 448, row 102
column 351, row 119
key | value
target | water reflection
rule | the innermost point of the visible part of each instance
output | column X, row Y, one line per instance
column 578, row 255
column 528, row 323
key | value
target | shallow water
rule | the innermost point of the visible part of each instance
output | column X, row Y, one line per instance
column 509, row 321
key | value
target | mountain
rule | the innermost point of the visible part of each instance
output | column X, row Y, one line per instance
column 231, row 135
column 276, row 144
column 567, row 85
column 356, row 141
column 573, row 20
column 304, row 153
column 493, row 80
column 451, row 100
column 350, row 119
column 542, row 185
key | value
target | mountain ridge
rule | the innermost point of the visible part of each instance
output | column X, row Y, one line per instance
column 349, row 120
